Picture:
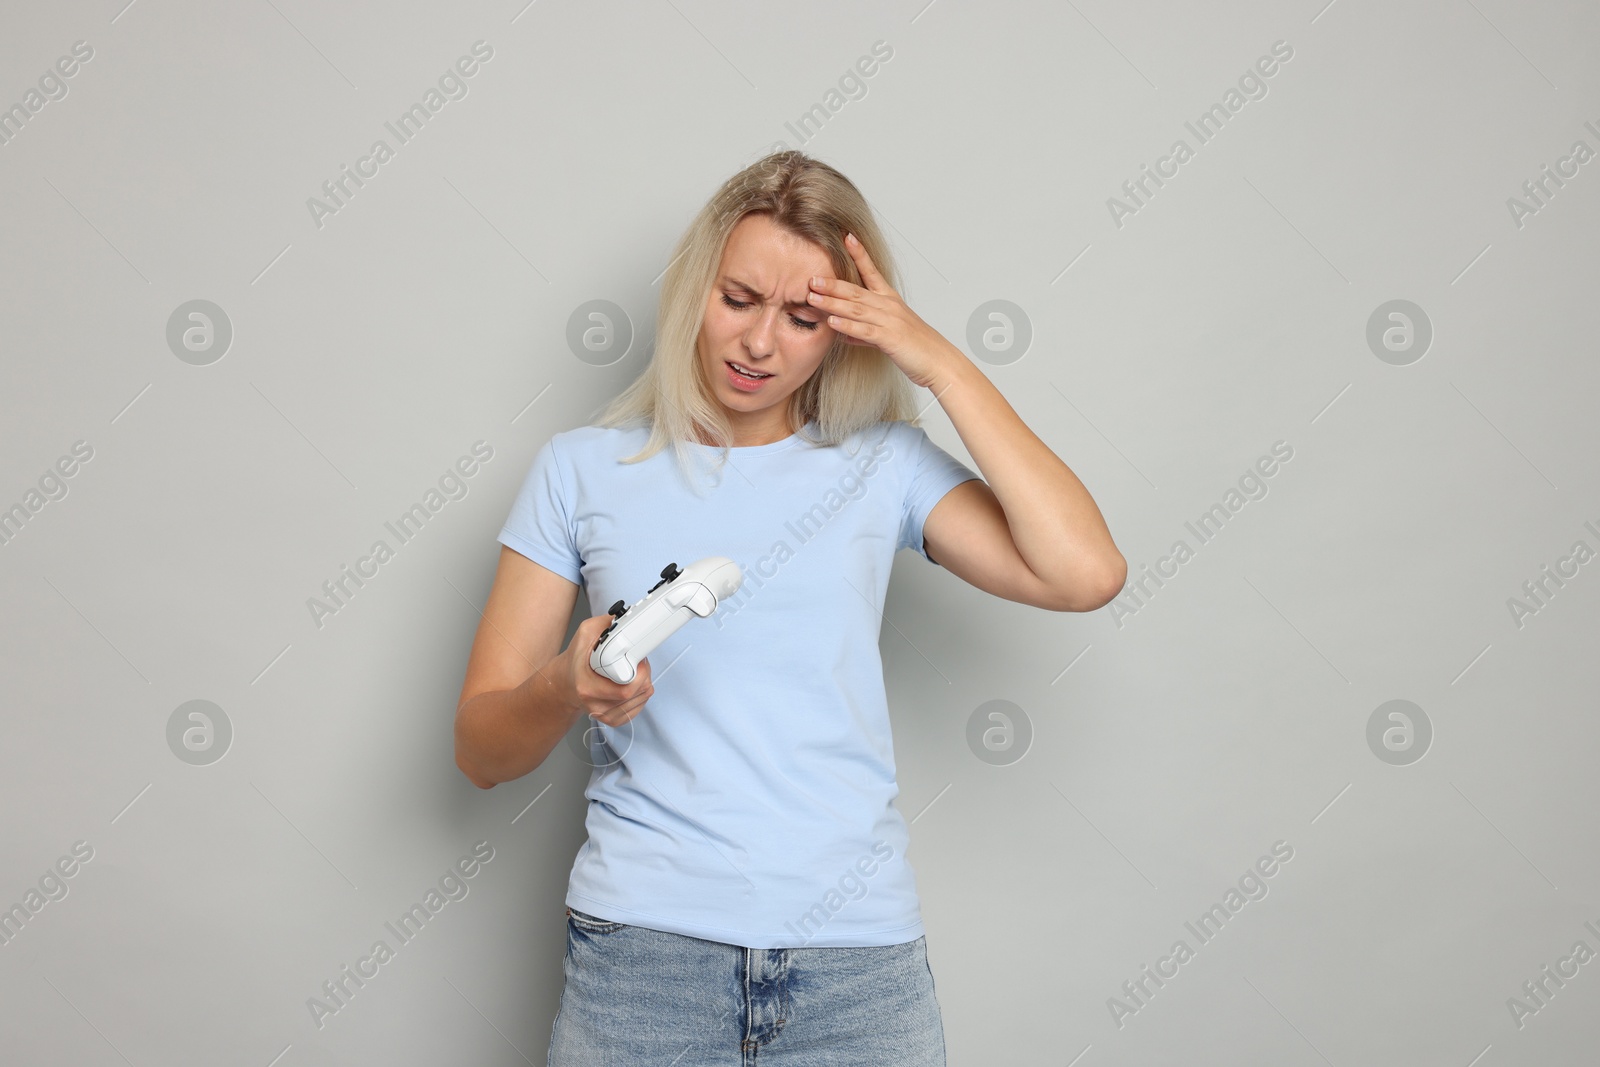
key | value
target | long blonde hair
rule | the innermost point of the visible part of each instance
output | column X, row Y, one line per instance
column 854, row 387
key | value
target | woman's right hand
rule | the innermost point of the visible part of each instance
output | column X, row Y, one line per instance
column 593, row 693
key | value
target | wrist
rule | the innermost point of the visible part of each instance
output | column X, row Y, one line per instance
column 954, row 370
column 552, row 685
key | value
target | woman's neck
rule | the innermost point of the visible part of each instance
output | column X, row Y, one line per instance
column 751, row 436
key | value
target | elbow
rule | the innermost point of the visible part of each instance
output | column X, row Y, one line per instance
column 1116, row 578
column 481, row 783
column 463, row 764
column 1094, row 595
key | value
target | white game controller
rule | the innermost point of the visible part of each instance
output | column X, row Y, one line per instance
column 679, row 596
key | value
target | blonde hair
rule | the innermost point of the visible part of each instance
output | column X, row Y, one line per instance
column 855, row 385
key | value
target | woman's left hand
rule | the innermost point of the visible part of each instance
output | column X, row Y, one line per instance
column 876, row 316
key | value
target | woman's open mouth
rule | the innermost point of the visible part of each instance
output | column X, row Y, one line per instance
column 746, row 378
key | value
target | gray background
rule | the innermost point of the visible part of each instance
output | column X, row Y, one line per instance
column 1167, row 750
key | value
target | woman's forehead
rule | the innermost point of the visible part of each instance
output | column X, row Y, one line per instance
column 758, row 251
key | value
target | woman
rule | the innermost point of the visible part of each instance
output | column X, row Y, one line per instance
column 744, row 888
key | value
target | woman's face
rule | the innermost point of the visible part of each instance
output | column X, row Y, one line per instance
column 757, row 316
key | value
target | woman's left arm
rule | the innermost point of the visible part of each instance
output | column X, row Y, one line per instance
column 1033, row 533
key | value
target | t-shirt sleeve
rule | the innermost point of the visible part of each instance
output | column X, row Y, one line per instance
column 933, row 473
column 540, row 524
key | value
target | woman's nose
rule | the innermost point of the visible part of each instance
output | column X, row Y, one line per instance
column 759, row 339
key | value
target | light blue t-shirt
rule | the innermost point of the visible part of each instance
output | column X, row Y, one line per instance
column 751, row 800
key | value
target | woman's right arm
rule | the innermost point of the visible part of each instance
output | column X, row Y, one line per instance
column 522, row 693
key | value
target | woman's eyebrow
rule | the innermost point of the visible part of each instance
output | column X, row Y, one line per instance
column 735, row 283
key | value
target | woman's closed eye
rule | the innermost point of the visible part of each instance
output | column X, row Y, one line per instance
column 804, row 324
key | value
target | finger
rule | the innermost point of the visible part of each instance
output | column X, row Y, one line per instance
column 839, row 305
column 641, row 678
column 633, row 700
column 868, row 308
column 862, row 331
column 839, row 287
column 622, row 713
column 869, row 270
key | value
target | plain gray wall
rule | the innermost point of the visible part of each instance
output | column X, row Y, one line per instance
column 1147, row 759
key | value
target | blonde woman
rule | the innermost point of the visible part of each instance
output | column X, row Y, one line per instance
column 744, row 889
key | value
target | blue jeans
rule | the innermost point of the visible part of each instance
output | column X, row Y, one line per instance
column 635, row 996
